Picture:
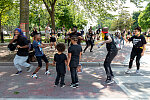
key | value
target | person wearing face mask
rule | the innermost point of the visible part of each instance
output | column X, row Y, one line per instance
column 139, row 46
column 112, row 52
column 22, row 53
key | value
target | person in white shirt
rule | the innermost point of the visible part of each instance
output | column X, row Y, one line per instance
column 47, row 34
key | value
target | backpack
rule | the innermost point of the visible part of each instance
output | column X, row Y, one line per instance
column 12, row 47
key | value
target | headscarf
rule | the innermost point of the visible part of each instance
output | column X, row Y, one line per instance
column 20, row 31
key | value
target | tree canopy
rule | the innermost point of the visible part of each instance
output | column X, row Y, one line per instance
column 144, row 18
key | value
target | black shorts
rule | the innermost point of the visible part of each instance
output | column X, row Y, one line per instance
column 52, row 39
column 39, row 59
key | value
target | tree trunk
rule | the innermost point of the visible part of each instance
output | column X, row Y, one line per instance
column 24, row 16
column 1, row 32
column 52, row 14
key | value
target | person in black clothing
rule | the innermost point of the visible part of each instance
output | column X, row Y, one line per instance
column 82, row 32
column 74, row 56
column 77, row 34
column 22, row 53
column 112, row 52
column 53, row 39
column 34, row 33
column 61, row 61
column 68, row 38
column 89, row 40
column 98, row 34
column 139, row 46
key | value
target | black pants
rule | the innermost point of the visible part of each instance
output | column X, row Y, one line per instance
column 39, row 59
column 110, row 56
column 60, row 76
column 135, row 53
column 69, row 42
column 88, row 43
column 74, row 75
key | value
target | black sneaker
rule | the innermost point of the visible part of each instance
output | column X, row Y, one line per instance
column 110, row 81
column 71, row 85
column 62, row 85
column 91, row 51
column 18, row 72
column 77, row 85
column 74, row 86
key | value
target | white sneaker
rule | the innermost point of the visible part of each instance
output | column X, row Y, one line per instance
column 137, row 71
column 47, row 72
column 34, row 76
column 128, row 71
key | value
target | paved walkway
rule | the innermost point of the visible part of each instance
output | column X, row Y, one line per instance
column 23, row 86
column 127, row 86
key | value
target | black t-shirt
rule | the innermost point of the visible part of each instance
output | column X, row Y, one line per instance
column 138, row 42
column 52, row 35
column 90, row 36
column 98, row 31
column 82, row 32
column 110, row 46
column 60, row 62
column 22, row 41
column 76, row 34
column 75, row 53
column 33, row 33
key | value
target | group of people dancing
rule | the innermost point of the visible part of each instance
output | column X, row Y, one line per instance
column 73, row 57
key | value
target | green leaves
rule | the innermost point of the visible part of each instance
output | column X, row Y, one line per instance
column 5, row 5
column 144, row 18
column 124, row 21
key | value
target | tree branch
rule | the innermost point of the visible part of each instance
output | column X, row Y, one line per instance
column 48, row 9
column 50, row 2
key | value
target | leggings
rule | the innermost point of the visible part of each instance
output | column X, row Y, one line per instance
column 135, row 53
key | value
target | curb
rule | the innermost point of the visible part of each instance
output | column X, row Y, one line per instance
column 83, row 63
